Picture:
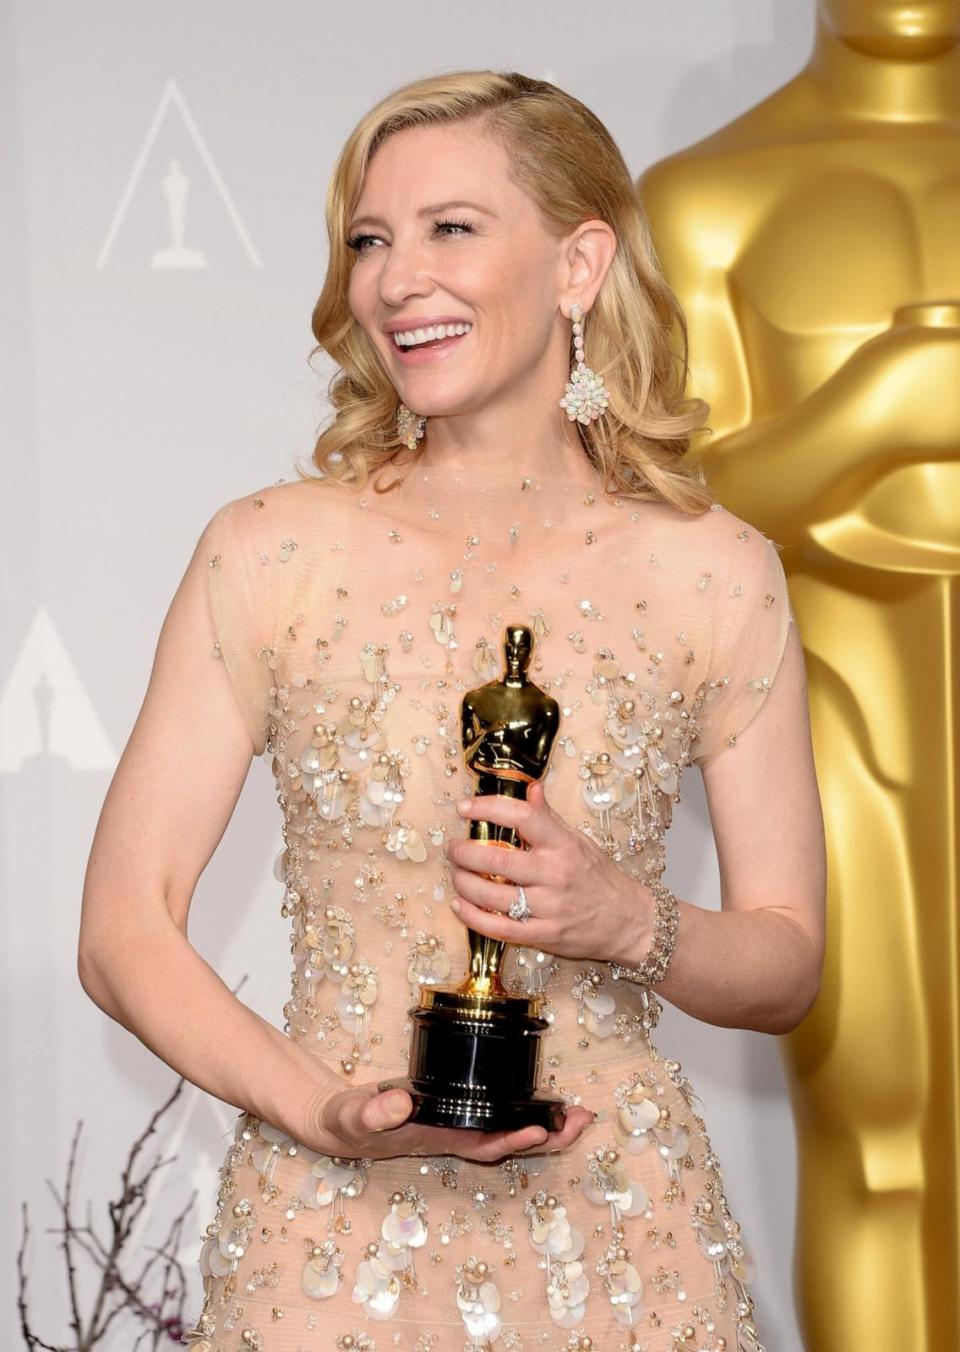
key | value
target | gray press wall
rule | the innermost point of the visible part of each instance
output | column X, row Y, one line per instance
column 136, row 400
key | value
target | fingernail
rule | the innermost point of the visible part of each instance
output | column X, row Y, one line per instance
column 454, row 904
column 463, row 805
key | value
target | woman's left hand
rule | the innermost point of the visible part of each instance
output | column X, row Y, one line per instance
column 582, row 906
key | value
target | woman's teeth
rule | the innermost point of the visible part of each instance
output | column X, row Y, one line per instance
column 414, row 337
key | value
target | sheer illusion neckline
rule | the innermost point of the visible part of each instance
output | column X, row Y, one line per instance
column 502, row 477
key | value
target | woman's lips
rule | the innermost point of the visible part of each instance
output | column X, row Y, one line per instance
column 424, row 353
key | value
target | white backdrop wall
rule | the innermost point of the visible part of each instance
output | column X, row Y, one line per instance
column 137, row 399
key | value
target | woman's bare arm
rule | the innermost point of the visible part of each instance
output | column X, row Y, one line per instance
column 165, row 812
column 757, row 962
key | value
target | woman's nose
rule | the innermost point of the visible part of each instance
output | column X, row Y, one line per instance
column 402, row 274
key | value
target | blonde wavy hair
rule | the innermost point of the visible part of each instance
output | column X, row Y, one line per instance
column 564, row 158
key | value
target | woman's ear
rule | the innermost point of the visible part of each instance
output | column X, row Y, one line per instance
column 588, row 255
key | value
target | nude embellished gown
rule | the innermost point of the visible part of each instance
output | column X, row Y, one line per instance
column 349, row 624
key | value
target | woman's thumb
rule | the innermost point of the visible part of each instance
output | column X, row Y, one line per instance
column 387, row 1109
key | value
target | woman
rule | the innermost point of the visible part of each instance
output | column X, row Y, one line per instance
column 469, row 216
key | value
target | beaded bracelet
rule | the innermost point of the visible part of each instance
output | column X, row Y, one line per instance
column 666, row 928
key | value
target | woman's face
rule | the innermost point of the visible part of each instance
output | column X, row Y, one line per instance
column 442, row 236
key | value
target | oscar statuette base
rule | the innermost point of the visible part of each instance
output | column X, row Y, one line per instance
column 474, row 1063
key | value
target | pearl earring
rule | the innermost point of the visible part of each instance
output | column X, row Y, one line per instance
column 586, row 395
column 409, row 427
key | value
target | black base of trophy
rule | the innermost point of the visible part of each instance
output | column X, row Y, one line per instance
column 474, row 1062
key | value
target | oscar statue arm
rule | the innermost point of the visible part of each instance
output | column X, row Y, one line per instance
column 473, row 731
column 548, row 733
column 894, row 399
column 894, row 402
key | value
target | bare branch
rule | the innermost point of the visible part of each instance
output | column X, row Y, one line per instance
column 29, row 1337
column 116, row 1294
column 68, row 1235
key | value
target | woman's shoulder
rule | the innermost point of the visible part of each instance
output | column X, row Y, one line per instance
column 720, row 572
column 278, row 511
column 716, row 538
column 739, row 569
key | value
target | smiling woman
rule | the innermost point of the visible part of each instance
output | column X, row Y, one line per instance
column 540, row 187
column 341, row 631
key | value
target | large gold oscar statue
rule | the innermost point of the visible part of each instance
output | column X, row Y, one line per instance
column 814, row 244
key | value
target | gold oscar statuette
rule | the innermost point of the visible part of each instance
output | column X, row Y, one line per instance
column 475, row 1048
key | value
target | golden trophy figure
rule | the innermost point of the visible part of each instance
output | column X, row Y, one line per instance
column 812, row 244
column 475, row 1050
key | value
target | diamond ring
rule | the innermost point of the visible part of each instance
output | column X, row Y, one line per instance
column 519, row 910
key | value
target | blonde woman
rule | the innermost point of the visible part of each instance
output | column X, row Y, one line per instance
column 334, row 623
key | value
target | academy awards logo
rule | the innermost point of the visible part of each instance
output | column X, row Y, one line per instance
column 45, row 710
column 176, row 254
column 175, row 251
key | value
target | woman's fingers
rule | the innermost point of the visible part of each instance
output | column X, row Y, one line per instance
column 492, row 895
column 356, row 1113
column 531, row 818
column 480, row 856
column 496, row 1145
column 467, row 1143
column 386, row 1110
column 372, row 1122
column 578, row 1119
column 497, row 925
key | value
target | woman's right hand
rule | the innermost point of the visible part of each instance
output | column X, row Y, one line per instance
column 365, row 1122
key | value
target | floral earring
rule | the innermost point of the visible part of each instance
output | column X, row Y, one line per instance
column 586, row 395
column 409, row 427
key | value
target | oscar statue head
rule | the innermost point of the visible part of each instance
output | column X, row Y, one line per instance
column 893, row 29
column 517, row 647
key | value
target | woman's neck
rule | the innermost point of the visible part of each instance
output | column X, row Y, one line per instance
column 547, row 447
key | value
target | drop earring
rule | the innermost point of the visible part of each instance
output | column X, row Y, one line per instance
column 586, row 395
column 409, row 427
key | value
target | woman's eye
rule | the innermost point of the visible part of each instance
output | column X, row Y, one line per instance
column 358, row 243
column 465, row 226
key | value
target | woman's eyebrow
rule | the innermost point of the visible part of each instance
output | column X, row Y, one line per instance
column 426, row 211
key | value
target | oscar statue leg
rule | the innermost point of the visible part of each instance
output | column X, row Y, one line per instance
column 873, row 1067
